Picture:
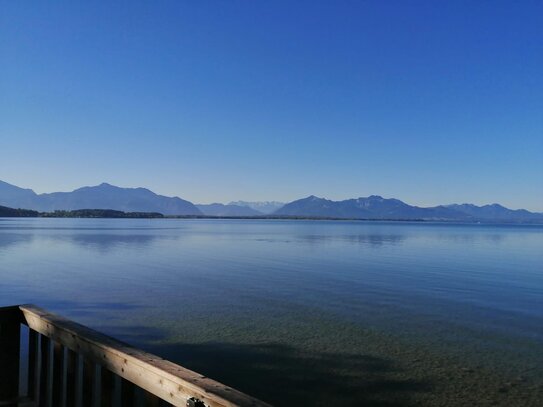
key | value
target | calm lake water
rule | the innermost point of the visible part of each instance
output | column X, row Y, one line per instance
column 311, row 312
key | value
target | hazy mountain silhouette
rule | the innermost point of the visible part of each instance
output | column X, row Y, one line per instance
column 103, row 196
column 372, row 207
column 15, row 197
column 377, row 207
column 495, row 212
column 218, row 209
column 106, row 196
column 265, row 207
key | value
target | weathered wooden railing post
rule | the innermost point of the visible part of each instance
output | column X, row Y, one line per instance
column 70, row 365
column 10, row 339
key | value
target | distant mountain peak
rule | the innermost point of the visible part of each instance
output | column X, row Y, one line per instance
column 102, row 196
column 264, row 207
column 496, row 205
column 377, row 207
column 219, row 209
column 496, row 212
column 5, row 184
column 103, row 185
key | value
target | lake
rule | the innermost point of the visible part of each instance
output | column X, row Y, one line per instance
column 302, row 312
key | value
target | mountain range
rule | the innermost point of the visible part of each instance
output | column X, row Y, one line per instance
column 377, row 207
column 372, row 207
column 106, row 196
column 103, row 196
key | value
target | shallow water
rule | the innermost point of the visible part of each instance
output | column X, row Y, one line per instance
column 329, row 312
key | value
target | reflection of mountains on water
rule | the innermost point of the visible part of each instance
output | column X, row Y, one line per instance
column 80, row 228
column 470, row 238
column 374, row 240
column 107, row 242
column 14, row 239
column 102, row 242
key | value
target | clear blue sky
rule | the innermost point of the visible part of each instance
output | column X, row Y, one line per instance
column 427, row 101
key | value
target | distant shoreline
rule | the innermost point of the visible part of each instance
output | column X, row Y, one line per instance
column 114, row 214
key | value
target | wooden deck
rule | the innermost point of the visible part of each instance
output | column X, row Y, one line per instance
column 72, row 365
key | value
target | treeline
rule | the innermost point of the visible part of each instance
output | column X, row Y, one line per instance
column 110, row 213
column 99, row 213
column 6, row 212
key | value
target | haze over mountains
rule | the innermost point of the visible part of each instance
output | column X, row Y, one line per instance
column 372, row 207
column 219, row 209
column 266, row 207
column 106, row 196
column 103, row 196
column 377, row 207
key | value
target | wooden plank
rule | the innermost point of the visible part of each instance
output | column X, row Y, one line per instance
column 116, row 391
column 10, row 340
column 127, row 399
column 163, row 403
column 71, row 377
column 96, row 386
column 107, row 388
column 164, row 379
column 57, row 367
column 63, row 377
column 88, row 382
column 151, row 400
column 37, row 366
column 139, row 397
column 25, row 402
column 46, row 391
column 78, row 380
column 33, row 365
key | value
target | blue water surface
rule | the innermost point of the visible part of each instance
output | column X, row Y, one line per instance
column 470, row 290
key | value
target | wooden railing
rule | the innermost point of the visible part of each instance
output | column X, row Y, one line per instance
column 68, row 364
